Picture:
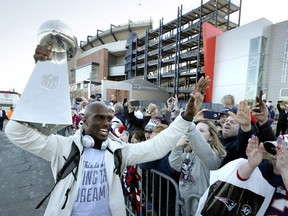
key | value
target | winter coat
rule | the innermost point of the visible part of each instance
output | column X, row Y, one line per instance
column 54, row 148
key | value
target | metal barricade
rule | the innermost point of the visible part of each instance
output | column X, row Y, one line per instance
column 189, row 202
column 160, row 194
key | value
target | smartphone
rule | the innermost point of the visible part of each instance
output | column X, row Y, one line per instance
column 212, row 115
column 124, row 101
column 260, row 97
column 135, row 103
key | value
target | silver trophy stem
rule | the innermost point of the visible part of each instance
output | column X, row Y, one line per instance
column 44, row 125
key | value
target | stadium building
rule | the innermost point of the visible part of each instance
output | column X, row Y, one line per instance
column 208, row 40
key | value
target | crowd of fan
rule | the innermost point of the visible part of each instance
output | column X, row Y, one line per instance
column 213, row 144
column 235, row 165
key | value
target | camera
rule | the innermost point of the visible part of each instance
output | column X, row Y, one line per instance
column 212, row 115
column 135, row 103
column 79, row 99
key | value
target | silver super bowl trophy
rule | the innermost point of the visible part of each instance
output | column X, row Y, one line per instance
column 45, row 102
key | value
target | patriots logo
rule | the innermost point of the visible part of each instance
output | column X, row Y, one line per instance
column 229, row 203
column 246, row 210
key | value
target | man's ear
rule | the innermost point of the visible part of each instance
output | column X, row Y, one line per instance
column 84, row 119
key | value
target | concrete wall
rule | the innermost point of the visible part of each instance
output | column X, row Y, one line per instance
column 279, row 37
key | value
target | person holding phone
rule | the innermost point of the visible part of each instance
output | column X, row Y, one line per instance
column 134, row 117
column 282, row 119
column 152, row 118
column 171, row 111
column 220, row 122
column 273, row 172
column 236, row 131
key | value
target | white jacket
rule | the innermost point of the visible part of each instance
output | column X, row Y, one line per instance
column 54, row 147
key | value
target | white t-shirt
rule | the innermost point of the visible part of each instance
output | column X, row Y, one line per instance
column 92, row 198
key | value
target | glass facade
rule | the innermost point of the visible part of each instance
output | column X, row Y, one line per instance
column 255, row 69
column 89, row 72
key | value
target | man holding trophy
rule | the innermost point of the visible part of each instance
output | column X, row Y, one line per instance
column 94, row 156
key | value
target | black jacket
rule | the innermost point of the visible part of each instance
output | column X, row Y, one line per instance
column 265, row 132
column 236, row 145
column 4, row 116
column 282, row 115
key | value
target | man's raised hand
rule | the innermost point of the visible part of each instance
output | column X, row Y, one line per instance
column 196, row 98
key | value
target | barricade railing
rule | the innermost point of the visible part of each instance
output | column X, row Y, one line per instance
column 189, row 203
column 160, row 195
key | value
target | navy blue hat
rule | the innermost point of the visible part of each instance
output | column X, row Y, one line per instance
column 234, row 110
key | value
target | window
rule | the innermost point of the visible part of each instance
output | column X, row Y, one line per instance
column 88, row 72
column 255, row 68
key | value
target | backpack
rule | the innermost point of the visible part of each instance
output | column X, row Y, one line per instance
column 73, row 162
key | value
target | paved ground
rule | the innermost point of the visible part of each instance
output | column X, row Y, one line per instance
column 24, row 180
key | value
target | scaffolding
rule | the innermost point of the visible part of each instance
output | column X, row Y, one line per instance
column 172, row 56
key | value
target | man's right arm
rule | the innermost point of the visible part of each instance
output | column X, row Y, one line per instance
column 31, row 140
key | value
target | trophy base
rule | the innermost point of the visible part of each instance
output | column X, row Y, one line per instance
column 45, row 103
column 46, row 129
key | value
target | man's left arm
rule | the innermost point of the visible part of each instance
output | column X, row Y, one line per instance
column 161, row 144
column 158, row 146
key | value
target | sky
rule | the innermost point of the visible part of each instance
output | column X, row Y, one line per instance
column 20, row 21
